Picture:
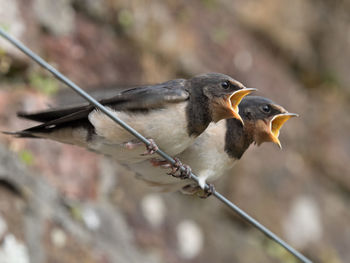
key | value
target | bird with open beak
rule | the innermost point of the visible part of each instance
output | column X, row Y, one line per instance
column 220, row 146
column 172, row 113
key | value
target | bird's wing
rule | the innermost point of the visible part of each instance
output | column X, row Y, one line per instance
column 143, row 98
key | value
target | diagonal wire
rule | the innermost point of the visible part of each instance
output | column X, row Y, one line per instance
column 139, row 136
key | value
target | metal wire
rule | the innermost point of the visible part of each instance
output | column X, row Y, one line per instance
column 139, row 136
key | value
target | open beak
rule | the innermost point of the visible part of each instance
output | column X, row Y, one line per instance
column 235, row 98
column 277, row 123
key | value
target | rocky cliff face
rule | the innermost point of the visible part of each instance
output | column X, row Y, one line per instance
column 59, row 203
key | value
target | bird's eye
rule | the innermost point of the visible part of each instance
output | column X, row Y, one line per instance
column 266, row 108
column 225, row 85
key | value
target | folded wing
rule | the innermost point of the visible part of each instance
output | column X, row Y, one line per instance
column 139, row 99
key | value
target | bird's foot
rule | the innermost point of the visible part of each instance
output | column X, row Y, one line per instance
column 176, row 167
column 160, row 163
column 131, row 145
column 151, row 148
column 207, row 191
column 190, row 189
column 186, row 174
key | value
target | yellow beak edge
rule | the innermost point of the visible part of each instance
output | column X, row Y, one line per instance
column 235, row 100
column 277, row 123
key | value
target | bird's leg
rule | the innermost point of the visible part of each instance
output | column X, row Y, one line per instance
column 175, row 167
column 150, row 149
column 131, row 145
column 190, row 189
column 162, row 163
column 207, row 192
column 186, row 174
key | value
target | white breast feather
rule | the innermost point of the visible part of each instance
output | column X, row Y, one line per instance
column 168, row 127
column 206, row 156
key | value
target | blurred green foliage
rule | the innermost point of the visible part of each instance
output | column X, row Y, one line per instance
column 76, row 212
column 45, row 84
column 5, row 27
column 26, row 157
column 220, row 35
column 210, row 3
column 276, row 251
column 125, row 18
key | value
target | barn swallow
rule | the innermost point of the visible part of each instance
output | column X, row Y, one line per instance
column 173, row 114
column 218, row 148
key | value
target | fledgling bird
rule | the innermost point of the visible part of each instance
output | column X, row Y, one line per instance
column 172, row 113
column 218, row 148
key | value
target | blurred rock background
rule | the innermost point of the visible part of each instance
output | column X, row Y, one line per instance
column 60, row 203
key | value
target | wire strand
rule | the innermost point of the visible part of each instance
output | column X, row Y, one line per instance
column 139, row 136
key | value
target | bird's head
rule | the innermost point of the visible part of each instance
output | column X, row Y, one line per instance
column 263, row 119
column 222, row 93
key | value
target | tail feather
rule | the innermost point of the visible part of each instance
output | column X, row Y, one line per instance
column 21, row 134
column 49, row 115
column 76, row 119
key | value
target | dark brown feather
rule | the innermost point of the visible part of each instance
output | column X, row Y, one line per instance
column 136, row 99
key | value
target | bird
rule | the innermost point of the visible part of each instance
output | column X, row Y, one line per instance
column 217, row 149
column 172, row 113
